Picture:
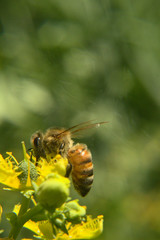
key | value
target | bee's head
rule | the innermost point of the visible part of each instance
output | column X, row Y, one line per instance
column 56, row 142
column 36, row 142
column 36, row 139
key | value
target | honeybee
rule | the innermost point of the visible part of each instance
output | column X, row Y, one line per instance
column 59, row 141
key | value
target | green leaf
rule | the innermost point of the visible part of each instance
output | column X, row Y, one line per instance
column 12, row 217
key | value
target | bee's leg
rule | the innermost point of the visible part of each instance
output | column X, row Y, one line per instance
column 39, row 153
column 30, row 152
column 69, row 169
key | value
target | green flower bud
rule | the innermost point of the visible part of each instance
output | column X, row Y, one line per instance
column 53, row 192
column 23, row 168
column 74, row 212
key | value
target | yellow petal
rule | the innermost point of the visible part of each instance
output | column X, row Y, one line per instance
column 93, row 227
column 46, row 229
column 1, row 210
column 86, row 230
column 55, row 165
column 17, row 208
column 41, row 228
column 8, row 176
column 27, row 239
column 33, row 226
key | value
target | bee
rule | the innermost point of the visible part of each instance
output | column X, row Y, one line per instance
column 59, row 141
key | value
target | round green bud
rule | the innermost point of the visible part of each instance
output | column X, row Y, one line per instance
column 23, row 168
column 74, row 211
column 53, row 192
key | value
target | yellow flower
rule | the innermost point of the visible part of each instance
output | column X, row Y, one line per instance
column 8, row 174
column 54, row 165
column 66, row 219
column 19, row 176
column 85, row 230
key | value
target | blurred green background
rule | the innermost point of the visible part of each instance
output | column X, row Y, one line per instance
column 65, row 62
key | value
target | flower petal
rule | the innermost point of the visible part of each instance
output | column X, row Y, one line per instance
column 1, row 210
column 33, row 226
column 86, row 230
column 53, row 165
column 41, row 229
column 8, row 175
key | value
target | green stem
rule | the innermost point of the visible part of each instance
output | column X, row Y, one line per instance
column 23, row 217
column 24, row 205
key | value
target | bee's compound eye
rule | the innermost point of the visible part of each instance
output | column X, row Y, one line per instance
column 36, row 141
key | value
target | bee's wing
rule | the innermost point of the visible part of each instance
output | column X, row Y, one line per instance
column 75, row 130
column 75, row 126
column 92, row 125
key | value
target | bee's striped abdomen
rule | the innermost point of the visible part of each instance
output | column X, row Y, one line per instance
column 82, row 168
